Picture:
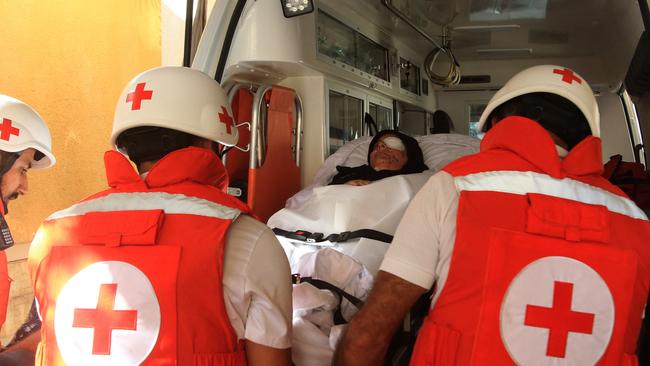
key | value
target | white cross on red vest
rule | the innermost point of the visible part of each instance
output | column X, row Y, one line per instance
column 6, row 130
column 559, row 319
column 104, row 319
column 568, row 76
column 225, row 118
column 138, row 96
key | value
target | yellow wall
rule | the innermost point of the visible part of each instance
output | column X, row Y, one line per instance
column 69, row 59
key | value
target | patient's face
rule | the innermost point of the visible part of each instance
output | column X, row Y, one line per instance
column 388, row 156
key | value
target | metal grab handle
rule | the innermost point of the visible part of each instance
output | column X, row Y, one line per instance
column 258, row 99
column 258, row 128
column 298, row 131
column 393, row 9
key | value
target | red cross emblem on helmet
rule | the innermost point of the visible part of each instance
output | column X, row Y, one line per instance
column 138, row 95
column 7, row 130
column 568, row 76
column 225, row 118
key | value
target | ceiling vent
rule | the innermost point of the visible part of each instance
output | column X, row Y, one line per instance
column 505, row 51
column 475, row 79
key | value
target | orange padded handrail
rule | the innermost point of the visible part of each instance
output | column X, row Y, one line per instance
column 278, row 177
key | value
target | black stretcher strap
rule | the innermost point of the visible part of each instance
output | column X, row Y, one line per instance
column 324, row 285
column 310, row 237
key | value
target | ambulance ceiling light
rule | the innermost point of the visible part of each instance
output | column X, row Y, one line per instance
column 292, row 8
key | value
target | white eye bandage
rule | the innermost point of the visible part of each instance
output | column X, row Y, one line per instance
column 394, row 143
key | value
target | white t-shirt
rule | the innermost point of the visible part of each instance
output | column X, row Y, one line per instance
column 424, row 241
column 257, row 284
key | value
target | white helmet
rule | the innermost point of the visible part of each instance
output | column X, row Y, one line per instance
column 178, row 98
column 549, row 79
column 22, row 128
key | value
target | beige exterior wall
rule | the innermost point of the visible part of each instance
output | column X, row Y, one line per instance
column 69, row 59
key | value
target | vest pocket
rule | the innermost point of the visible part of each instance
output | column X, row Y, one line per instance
column 436, row 345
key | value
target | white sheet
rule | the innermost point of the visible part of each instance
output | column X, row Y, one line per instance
column 352, row 265
column 334, row 209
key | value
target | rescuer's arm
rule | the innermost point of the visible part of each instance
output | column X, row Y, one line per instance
column 267, row 289
column 369, row 333
column 259, row 355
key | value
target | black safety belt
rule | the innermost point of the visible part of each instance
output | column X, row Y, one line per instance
column 310, row 237
column 324, row 285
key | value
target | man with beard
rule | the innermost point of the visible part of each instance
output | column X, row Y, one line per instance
column 25, row 143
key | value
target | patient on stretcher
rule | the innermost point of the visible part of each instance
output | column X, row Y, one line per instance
column 390, row 153
column 324, row 215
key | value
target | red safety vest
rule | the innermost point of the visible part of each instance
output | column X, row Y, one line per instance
column 550, row 263
column 5, row 282
column 133, row 275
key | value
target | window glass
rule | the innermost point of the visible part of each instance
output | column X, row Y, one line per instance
column 383, row 116
column 335, row 39
column 342, row 43
column 345, row 119
column 413, row 120
column 409, row 76
column 475, row 111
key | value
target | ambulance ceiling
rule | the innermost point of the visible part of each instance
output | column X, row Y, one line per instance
column 498, row 29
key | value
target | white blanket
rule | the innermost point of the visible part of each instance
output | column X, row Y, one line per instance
column 334, row 209
column 350, row 266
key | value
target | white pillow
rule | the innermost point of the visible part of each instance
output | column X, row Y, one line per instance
column 438, row 150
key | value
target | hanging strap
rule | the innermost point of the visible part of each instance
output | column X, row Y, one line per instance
column 310, row 237
column 324, row 285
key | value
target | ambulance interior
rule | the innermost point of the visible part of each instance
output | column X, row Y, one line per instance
column 400, row 61
column 303, row 74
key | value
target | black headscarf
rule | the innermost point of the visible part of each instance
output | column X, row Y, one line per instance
column 414, row 164
column 441, row 122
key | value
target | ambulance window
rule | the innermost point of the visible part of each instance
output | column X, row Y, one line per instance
column 335, row 39
column 413, row 120
column 475, row 111
column 409, row 76
column 345, row 119
column 382, row 116
column 372, row 58
column 339, row 42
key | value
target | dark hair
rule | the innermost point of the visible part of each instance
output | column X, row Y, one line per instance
column 152, row 143
column 441, row 122
column 555, row 113
column 7, row 160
